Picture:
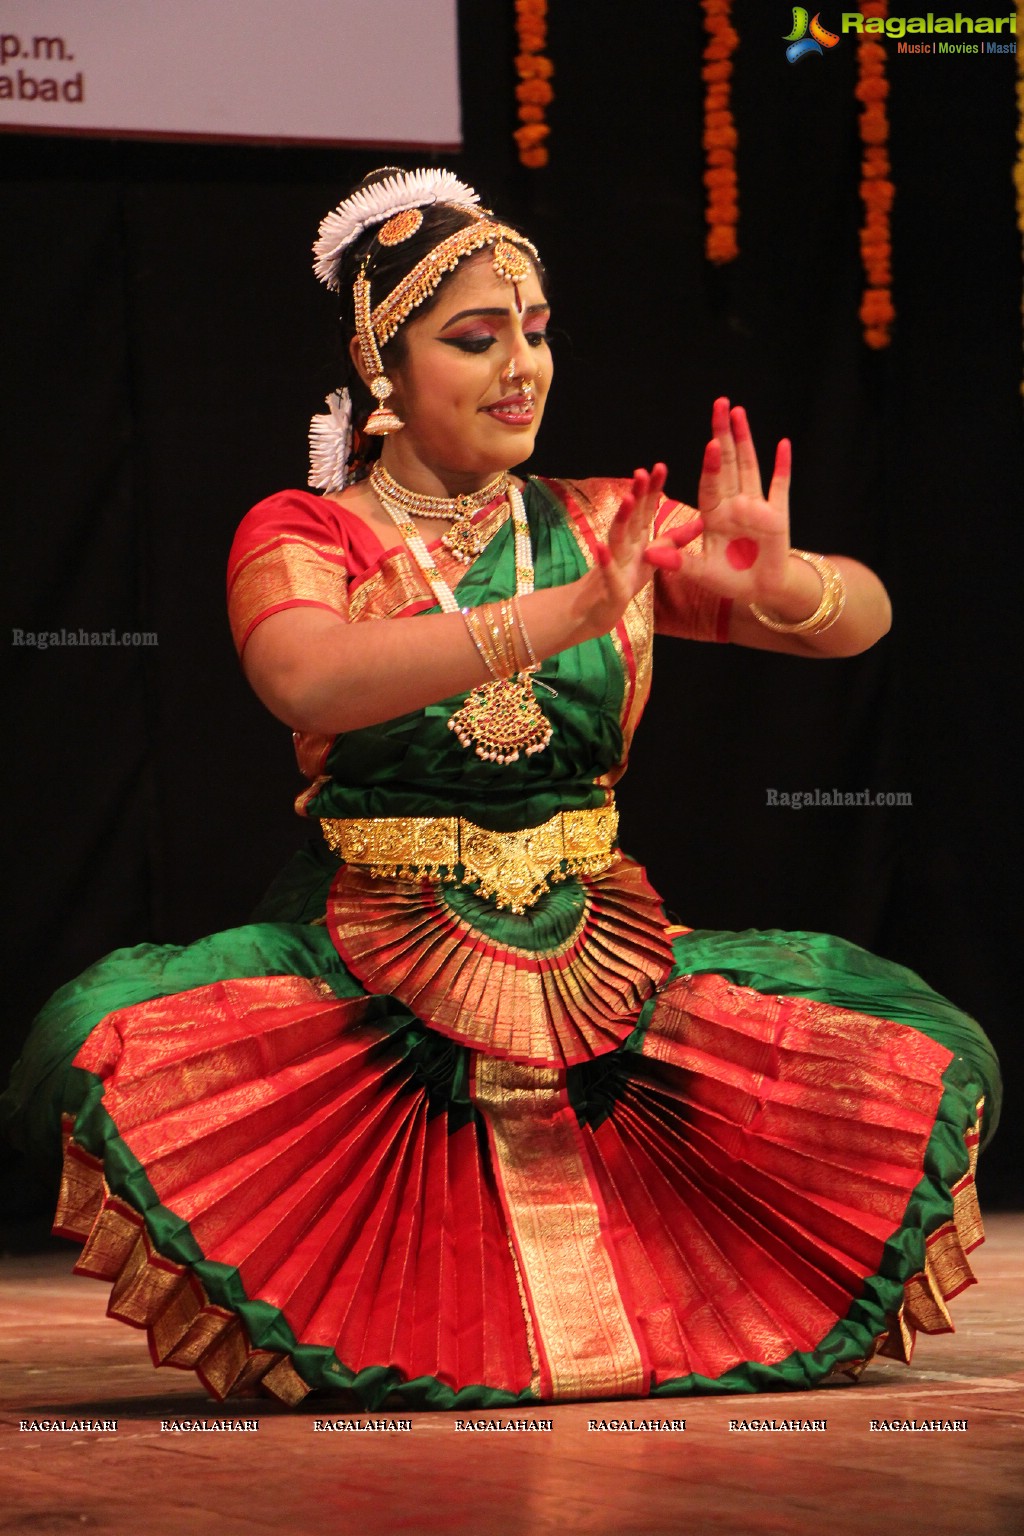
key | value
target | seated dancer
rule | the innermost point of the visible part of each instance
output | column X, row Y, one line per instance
column 459, row 1119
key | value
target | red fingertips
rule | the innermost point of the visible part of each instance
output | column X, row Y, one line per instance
column 626, row 507
column 602, row 554
column 664, row 559
column 784, row 457
column 712, row 458
column 687, row 533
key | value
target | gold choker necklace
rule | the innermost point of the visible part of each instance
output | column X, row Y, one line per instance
column 461, row 539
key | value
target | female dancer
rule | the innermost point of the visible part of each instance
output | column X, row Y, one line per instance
column 459, row 1119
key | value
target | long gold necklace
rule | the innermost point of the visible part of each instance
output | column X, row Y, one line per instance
column 500, row 719
column 461, row 539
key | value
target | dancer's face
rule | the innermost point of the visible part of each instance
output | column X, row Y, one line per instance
column 474, row 377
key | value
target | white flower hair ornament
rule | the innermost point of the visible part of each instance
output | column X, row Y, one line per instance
column 377, row 203
column 330, row 443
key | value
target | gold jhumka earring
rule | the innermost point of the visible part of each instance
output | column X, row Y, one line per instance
column 382, row 420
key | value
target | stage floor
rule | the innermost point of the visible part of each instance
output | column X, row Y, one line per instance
column 60, row 1358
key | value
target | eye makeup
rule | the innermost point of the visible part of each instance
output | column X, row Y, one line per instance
column 482, row 327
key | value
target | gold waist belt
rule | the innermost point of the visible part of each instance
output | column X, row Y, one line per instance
column 515, row 868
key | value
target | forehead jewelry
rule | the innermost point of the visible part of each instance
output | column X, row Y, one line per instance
column 511, row 257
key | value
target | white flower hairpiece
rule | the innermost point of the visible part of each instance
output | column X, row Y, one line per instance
column 373, row 204
column 330, row 443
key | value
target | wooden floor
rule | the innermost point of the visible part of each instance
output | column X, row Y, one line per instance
column 61, row 1358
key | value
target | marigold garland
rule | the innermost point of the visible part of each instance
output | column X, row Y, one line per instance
column 1018, row 170
column 533, row 93
column 722, row 207
column 876, row 189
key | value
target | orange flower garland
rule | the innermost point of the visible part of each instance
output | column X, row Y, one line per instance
column 719, row 140
column 876, row 189
column 533, row 93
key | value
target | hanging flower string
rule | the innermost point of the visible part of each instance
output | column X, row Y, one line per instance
column 533, row 93
column 1018, row 170
column 722, row 206
column 876, row 189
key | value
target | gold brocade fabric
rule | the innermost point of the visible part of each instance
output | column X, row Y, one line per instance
column 595, row 1216
column 582, row 1324
column 775, row 1075
column 152, row 1292
column 567, row 1003
column 397, row 582
column 284, row 570
column 684, row 610
column 947, row 1269
column 443, row 1149
column 599, row 500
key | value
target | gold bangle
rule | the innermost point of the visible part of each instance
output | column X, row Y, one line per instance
column 508, row 620
column 497, row 644
column 476, row 634
column 833, row 601
column 534, row 663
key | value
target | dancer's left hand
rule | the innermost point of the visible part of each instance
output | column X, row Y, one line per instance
column 745, row 548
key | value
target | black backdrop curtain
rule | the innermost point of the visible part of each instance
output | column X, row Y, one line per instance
column 164, row 344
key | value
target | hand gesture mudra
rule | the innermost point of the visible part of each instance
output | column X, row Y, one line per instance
column 746, row 534
column 745, row 543
column 626, row 563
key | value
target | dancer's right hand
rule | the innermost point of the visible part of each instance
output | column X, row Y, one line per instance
column 628, row 560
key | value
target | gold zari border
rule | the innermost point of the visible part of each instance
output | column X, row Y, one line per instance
column 692, row 607
column 583, row 1329
column 635, row 654
column 285, row 570
column 394, row 585
column 947, row 1271
column 184, row 1328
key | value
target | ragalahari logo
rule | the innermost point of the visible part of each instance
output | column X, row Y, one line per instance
column 808, row 35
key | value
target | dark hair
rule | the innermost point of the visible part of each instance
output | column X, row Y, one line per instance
column 387, row 265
